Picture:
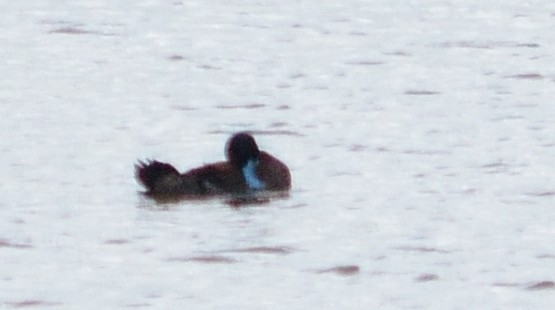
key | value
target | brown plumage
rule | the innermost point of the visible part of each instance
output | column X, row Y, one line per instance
column 247, row 169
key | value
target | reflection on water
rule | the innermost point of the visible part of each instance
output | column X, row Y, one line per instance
column 341, row 270
column 9, row 244
column 207, row 259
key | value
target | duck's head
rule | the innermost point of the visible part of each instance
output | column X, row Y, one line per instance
column 241, row 149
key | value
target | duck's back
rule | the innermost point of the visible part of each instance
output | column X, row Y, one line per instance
column 217, row 178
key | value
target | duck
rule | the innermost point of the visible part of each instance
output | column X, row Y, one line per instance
column 247, row 169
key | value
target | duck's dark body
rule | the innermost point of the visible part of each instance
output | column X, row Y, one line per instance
column 247, row 169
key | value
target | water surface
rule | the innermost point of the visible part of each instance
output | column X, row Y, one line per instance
column 419, row 136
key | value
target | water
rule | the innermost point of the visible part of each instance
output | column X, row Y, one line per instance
column 419, row 136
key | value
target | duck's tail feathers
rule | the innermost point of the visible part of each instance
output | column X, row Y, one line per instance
column 152, row 174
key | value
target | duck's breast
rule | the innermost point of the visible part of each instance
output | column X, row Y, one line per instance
column 273, row 173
